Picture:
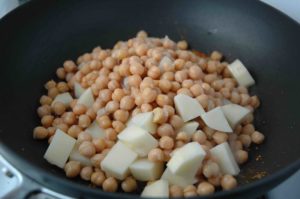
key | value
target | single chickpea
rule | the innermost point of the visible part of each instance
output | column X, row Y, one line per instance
column 196, row 90
column 216, row 55
column 84, row 121
column 99, row 144
column 159, row 116
column 203, row 100
column 154, row 72
column 110, row 185
column 176, row 121
column 134, row 81
column 142, row 34
column 169, row 109
column 175, row 191
column 91, row 113
column 109, row 63
column 205, row 188
column 165, row 130
column 162, row 100
column 62, row 87
column 98, row 178
column 220, row 137
column 59, row 108
column 47, row 120
column 188, row 83
column 112, row 106
column 101, row 81
column 182, row 136
column 149, row 95
column 111, row 134
column 245, row 99
column 53, row 92
column 185, row 91
column 179, row 144
column 165, row 85
column 69, row 118
column 199, row 136
column 74, row 131
column 190, row 191
column 209, row 78
column 254, row 101
column 97, row 159
column 121, row 115
column 175, row 86
column 180, row 76
column 57, row 121
column 45, row 100
column 84, row 136
column 228, row 182
column 137, row 69
column 104, row 121
column 51, row 131
column 208, row 131
column 146, row 108
column 79, row 109
column 113, row 84
column 64, row 127
column 156, row 155
column 248, row 119
column 257, row 137
column 182, row 45
column 69, row 66
column 141, row 49
column 127, row 103
column 217, row 84
column 86, row 173
column 105, row 95
column 226, row 92
column 72, row 169
column 86, row 148
column 44, row 110
column 166, row 142
column 50, row 84
column 118, row 94
column 129, row 184
column 118, row 126
column 248, row 129
column 195, row 72
column 215, row 180
column 241, row 156
column 245, row 139
column 40, row 133
column 211, row 169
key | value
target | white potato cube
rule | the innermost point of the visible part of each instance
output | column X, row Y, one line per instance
column 158, row 189
column 144, row 120
column 64, row 98
column 187, row 107
column 95, row 131
column 181, row 181
column 76, row 156
column 138, row 140
column 225, row 158
column 145, row 170
column 116, row 163
column 86, row 98
column 78, row 90
column 234, row 113
column 240, row 73
column 216, row 119
column 189, row 128
column 59, row 149
column 187, row 160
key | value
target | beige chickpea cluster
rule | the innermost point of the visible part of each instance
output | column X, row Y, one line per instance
column 140, row 75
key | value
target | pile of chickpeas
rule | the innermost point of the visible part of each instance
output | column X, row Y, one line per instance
column 131, row 78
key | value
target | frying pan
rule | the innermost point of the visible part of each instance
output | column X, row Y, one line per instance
column 37, row 37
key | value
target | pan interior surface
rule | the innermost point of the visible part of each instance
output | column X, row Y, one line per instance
column 36, row 38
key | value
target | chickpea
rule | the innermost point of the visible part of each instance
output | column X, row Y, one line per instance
column 134, row 81
column 149, row 95
column 162, row 100
column 176, row 122
column 127, row 103
column 109, row 145
column 142, row 34
column 180, row 76
column 254, row 101
column 156, row 155
column 109, row 63
column 245, row 139
column 104, row 121
column 74, row 131
column 45, row 100
column 121, row 115
column 211, row 169
column 257, row 137
column 64, row 127
column 69, row 66
column 166, row 142
column 175, row 191
column 118, row 94
column 165, row 130
column 84, row 136
column 208, row 131
column 58, row 108
column 47, row 120
column 154, row 72
column 62, row 87
column 53, row 92
column 129, row 184
column 98, row 178
column 205, row 188
column 105, row 95
column 137, row 69
column 112, row 106
column 182, row 45
column 146, row 108
column 220, row 137
column 182, row 136
column 241, row 156
column 118, row 126
column 110, row 185
column 44, row 110
column 196, row 90
column 195, row 72
column 69, row 118
column 72, row 169
column 159, row 116
column 228, row 182
column 40, row 133
column 203, row 100
column 248, row 129
column 179, row 144
column 199, row 136
column 86, row 148
column 51, row 131
column 97, row 159
column 111, row 134
column 175, row 86
column 245, row 99
column 79, row 109
column 84, row 121
column 190, row 191
column 99, row 144
column 91, row 113
column 50, row 84
column 86, row 173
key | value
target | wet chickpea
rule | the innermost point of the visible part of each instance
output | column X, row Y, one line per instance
column 86, row 148
column 134, row 81
column 257, row 137
column 50, row 84
column 165, row 85
column 166, row 142
column 245, row 139
column 137, row 69
column 74, row 131
column 154, row 72
column 182, row 45
column 44, row 110
column 203, row 100
column 241, row 156
column 59, row 108
column 182, row 136
column 84, row 136
column 211, row 169
column 127, row 103
column 199, row 136
column 97, row 159
column 109, row 62
column 112, row 106
column 105, row 95
column 175, row 191
column 45, row 100
column 86, row 173
column 118, row 126
column 165, row 130
column 118, row 94
column 62, row 87
column 149, row 95
column 169, row 109
column 159, row 116
column 72, row 169
column 190, row 191
column 146, row 108
column 162, row 100
column 111, row 134
column 40, row 133
column 195, row 72
column 53, row 92
column 180, row 76
column 110, row 185
column 69, row 118
column 176, row 122
column 64, row 127
column 79, row 109
column 245, row 99
column 156, row 155
column 51, row 131
column 98, row 178
column 84, row 121
column 47, row 120
column 185, row 91
column 228, row 182
column 205, row 188
column 104, row 121
column 129, row 184
column 220, row 137
column 196, row 90
column 121, row 115
column 69, row 66
column 248, row 129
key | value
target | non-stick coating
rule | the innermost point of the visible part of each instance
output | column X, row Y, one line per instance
column 36, row 38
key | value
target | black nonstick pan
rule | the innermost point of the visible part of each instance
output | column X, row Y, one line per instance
column 37, row 37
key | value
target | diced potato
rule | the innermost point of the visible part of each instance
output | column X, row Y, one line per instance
column 95, row 131
column 187, row 160
column 158, row 189
column 116, row 163
column 144, row 120
column 181, row 181
column 86, row 98
column 78, row 90
column 59, row 149
column 240, row 73
column 145, row 170
column 216, row 119
column 76, row 156
column 64, row 98
column 187, row 107
column 234, row 113
column 138, row 140
column 189, row 128
column 225, row 158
